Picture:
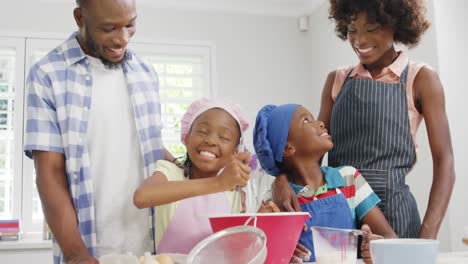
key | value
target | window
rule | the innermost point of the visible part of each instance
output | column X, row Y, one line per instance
column 7, row 98
column 184, row 75
column 11, row 125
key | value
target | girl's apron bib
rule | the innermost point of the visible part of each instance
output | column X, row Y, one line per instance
column 190, row 223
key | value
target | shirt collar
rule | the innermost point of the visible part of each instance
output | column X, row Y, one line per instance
column 396, row 68
column 72, row 51
column 333, row 179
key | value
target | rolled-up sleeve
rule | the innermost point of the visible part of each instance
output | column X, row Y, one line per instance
column 42, row 126
column 366, row 199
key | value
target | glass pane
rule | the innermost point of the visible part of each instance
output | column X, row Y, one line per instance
column 7, row 80
column 181, row 82
column 37, row 214
column 2, row 196
column 3, row 87
column 3, row 105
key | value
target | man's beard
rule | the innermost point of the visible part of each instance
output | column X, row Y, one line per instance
column 93, row 49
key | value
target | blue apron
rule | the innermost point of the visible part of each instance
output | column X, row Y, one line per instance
column 332, row 211
column 371, row 131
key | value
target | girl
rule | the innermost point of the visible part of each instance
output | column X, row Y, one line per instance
column 289, row 141
column 185, row 197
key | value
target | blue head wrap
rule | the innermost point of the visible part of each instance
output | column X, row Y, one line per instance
column 271, row 134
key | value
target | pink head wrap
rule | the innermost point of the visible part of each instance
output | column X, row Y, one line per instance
column 201, row 105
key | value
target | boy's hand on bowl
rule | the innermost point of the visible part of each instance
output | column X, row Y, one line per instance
column 301, row 254
column 236, row 172
column 365, row 246
column 269, row 207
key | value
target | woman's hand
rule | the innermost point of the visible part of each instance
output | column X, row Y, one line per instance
column 301, row 254
column 365, row 246
column 284, row 196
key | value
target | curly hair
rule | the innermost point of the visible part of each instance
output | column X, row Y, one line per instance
column 406, row 17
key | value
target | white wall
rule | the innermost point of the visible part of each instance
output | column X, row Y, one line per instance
column 450, row 24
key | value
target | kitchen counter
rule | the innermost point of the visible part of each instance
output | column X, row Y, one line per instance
column 453, row 258
column 443, row 258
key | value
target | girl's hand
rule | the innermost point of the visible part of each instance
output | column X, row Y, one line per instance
column 365, row 247
column 268, row 208
column 236, row 172
column 301, row 254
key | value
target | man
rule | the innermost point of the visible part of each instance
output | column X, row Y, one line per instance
column 93, row 130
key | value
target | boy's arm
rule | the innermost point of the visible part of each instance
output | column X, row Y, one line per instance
column 375, row 227
column 377, row 222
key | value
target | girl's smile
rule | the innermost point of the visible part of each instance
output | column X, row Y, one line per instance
column 212, row 141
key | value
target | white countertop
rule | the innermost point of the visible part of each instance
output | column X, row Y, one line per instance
column 453, row 258
column 26, row 244
column 443, row 258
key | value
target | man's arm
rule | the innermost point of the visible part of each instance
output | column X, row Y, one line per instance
column 284, row 196
column 58, row 206
column 168, row 156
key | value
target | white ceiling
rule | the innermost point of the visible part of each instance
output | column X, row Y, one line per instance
column 289, row 8
column 292, row 8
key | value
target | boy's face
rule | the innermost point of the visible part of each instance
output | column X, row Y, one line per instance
column 307, row 135
column 212, row 140
column 369, row 40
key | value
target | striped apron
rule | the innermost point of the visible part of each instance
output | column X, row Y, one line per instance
column 371, row 131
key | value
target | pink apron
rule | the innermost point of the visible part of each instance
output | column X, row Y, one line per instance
column 190, row 223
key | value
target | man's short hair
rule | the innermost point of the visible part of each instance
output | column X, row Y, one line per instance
column 80, row 3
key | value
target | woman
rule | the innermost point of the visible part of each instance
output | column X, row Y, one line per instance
column 374, row 109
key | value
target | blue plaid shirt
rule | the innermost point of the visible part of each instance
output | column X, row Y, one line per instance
column 58, row 103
